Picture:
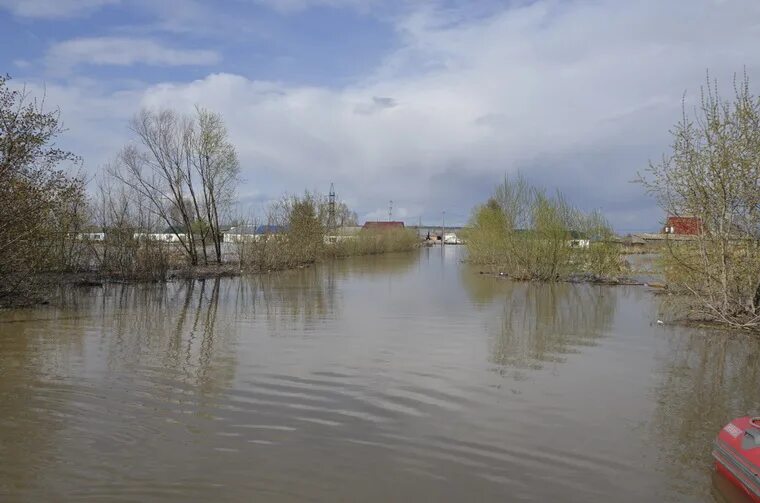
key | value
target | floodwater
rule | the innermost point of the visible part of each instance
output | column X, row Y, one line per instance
column 394, row 378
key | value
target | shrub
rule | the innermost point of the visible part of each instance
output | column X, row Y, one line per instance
column 528, row 235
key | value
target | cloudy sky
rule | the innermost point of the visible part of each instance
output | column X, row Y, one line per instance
column 426, row 103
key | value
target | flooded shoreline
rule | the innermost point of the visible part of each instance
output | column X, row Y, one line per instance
column 393, row 377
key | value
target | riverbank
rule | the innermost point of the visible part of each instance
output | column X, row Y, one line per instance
column 258, row 258
column 575, row 278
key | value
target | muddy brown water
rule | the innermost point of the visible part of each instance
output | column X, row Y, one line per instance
column 395, row 378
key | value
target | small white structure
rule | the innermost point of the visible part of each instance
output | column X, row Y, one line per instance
column 451, row 239
column 248, row 233
column 579, row 243
column 91, row 236
column 234, row 237
column 343, row 234
column 165, row 237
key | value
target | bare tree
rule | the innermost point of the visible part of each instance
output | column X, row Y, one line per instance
column 216, row 164
column 344, row 216
column 118, row 212
column 159, row 167
column 188, row 170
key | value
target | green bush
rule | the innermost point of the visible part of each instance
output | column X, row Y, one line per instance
column 373, row 242
column 529, row 235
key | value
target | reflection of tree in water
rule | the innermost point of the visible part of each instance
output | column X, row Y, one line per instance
column 292, row 300
column 380, row 266
column 542, row 323
column 483, row 288
column 707, row 380
column 143, row 352
column 289, row 299
column 149, row 351
column 176, row 327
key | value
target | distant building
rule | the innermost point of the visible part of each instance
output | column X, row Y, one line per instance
column 243, row 233
column 342, row 234
column 683, row 226
column 578, row 240
column 387, row 225
column 579, row 243
column 450, row 238
column 239, row 233
column 91, row 236
column 166, row 237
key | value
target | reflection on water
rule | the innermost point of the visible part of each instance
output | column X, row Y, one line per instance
column 707, row 379
column 393, row 378
column 539, row 323
column 544, row 323
column 295, row 298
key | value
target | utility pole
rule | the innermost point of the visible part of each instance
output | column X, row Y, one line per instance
column 443, row 228
column 390, row 210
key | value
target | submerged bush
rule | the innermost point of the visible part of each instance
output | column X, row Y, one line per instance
column 711, row 176
column 527, row 234
column 373, row 242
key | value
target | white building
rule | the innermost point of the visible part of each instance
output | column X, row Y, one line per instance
column 247, row 233
column 91, row 236
column 166, row 237
column 451, row 239
column 579, row 243
column 342, row 234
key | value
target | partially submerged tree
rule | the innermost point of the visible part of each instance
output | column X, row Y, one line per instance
column 39, row 201
column 713, row 175
column 488, row 233
column 528, row 234
column 218, row 169
column 157, row 166
column 304, row 230
column 120, row 214
column 187, row 169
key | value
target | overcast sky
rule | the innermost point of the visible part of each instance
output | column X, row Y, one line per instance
column 427, row 104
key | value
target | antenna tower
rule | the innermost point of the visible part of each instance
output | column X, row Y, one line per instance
column 331, row 208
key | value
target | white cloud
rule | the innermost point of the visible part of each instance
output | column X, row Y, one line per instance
column 124, row 51
column 301, row 5
column 53, row 8
column 95, row 120
column 578, row 95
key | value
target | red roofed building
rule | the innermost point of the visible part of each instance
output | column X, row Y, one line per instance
column 378, row 226
column 684, row 226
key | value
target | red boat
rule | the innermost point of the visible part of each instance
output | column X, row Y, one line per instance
column 737, row 454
